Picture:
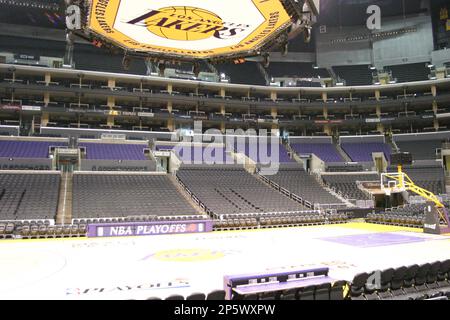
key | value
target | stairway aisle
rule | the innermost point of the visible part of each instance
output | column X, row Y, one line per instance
column 64, row 213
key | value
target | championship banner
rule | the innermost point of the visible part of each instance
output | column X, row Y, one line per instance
column 188, row 28
column 148, row 228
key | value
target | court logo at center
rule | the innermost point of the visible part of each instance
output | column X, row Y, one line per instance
column 188, row 255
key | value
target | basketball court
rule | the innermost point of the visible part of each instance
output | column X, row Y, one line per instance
column 143, row 267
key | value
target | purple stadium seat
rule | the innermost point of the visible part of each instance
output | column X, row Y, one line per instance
column 325, row 151
column 362, row 152
column 207, row 155
column 27, row 149
column 107, row 151
column 264, row 155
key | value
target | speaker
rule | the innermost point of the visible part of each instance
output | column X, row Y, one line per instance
column 402, row 158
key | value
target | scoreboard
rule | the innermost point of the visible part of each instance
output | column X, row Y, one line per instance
column 188, row 29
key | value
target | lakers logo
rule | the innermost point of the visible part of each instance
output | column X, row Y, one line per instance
column 188, row 24
column 184, row 23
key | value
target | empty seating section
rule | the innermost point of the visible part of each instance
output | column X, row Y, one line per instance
column 284, row 156
column 31, row 46
column 325, row 151
column 265, row 153
column 345, row 167
column 358, row 75
column 420, row 149
column 346, row 184
column 409, row 72
column 233, row 190
column 110, row 151
column 302, row 184
column 27, row 149
column 411, row 215
column 89, row 57
column 295, row 70
column 202, row 154
column 327, row 291
column 429, row 177
column 24, row 167
column 109, row 195
column 244, row 73
column 362, row 152
column 428, row 281
column 28, row 196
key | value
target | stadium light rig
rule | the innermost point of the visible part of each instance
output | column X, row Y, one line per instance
column 194, row 31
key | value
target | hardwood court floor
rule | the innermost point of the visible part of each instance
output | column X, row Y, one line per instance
column 142, row 267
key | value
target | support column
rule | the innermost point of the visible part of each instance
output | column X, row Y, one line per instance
column 380, row 127
column 433, row 90
column 68, row 55
column 274, row 112
column 32, row 125
column 435, row 107
column 111, row 102
column 436, row 124
column 273, row 96
column 110, row 121
column 325, row 112
column 45, row 118
column 170, row 125
column 275, row 131
column 47, row 78
column 111, row 83
column 326, row 127
column 46, row 98
column 377, row 95
column 435, row 110
column 169, row 88
column 378, row 111
column 222, row 92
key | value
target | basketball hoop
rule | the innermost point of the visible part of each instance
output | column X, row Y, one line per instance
column 392, row 183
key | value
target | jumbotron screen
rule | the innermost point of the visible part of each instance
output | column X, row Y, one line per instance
column 188, row 28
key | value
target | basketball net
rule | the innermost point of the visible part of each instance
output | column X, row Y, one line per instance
column 393, row 182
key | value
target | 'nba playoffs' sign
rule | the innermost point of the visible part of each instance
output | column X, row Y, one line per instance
column 148, row 228
column 188, row 28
